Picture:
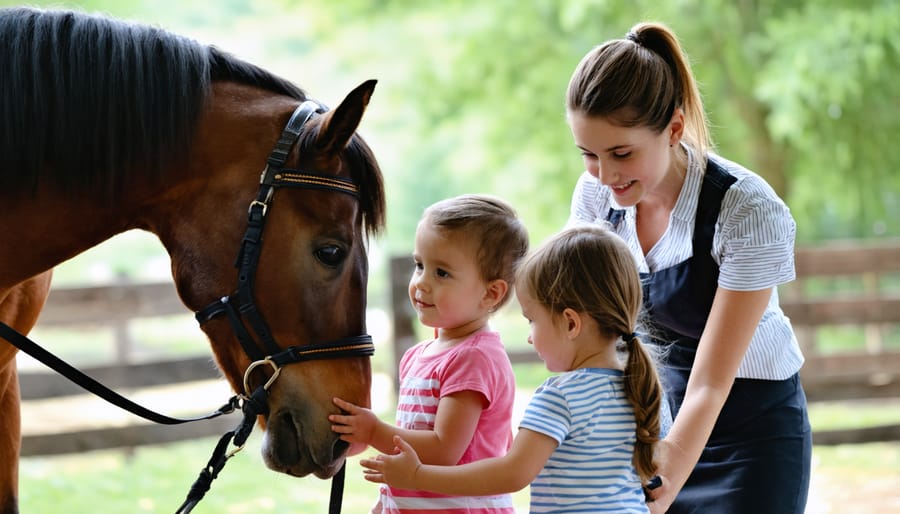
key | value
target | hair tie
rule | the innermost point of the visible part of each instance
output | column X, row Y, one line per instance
column 633, row 37
column 628, row 337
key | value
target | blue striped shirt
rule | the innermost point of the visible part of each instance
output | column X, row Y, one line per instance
column 586, row 411
column 753, row 245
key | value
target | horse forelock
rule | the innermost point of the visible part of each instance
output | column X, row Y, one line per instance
column 364, row 170
column 87, row 101
column 362, row 167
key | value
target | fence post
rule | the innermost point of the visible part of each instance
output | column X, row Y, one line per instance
column 796, row 293
column 404, row 333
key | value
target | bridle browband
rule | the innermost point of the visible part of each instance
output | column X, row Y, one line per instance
column 241, row 305
column 238, row 306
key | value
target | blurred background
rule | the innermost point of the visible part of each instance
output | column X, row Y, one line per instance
column 470, row 98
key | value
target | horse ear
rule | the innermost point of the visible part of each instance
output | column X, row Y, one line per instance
column 340, row 123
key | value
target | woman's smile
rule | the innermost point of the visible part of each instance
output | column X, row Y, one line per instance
column 622, row 188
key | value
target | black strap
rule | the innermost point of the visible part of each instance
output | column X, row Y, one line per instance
column 716, row 183
column 252, row 407
column 86, row 382
column 291, row 132
column 337, row 490
column 356, row 346
column 255, row 405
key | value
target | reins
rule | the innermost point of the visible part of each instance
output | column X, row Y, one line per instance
column 257, row 404
column 237, row 307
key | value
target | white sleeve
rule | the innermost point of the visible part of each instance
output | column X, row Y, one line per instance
column 585, row 201
column 754, row 241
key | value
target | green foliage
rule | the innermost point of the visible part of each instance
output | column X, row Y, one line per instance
column 804, row 93
column 471, row 93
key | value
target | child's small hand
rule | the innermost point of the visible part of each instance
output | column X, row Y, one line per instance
column 355, row 427
column 398, row 470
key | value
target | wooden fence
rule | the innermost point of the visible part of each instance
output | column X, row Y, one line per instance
column 871, row 271
column 116, row 306
column 871, row 372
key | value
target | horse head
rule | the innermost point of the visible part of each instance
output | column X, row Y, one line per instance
column 307, row 282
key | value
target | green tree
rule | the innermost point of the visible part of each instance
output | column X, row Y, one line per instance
column 470, row 94
column 803, row 92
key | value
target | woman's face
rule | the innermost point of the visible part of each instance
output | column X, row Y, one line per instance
column 632, row 161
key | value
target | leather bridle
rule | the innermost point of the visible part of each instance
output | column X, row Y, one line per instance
column 241, row 305
column 238, row 307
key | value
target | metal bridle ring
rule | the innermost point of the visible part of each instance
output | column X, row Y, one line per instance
column 253, row 365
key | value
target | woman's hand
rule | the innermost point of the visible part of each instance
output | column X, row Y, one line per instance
column 660, row 498
column 398, row 470
column 667, row 456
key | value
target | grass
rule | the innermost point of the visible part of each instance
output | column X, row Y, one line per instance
column 155, row 479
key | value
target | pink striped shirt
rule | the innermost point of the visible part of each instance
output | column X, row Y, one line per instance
column 480, row 364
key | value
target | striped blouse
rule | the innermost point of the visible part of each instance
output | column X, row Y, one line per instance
column 587, row 413
column 753, row 246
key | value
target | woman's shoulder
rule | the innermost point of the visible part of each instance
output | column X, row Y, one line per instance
column 751, row 199
column 754, row 225
column 748, row 184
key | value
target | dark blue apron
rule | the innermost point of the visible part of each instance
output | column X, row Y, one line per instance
column 757, row 460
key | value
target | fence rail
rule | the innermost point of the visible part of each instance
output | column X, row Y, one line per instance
column 116, row 306
column 131, row 377
column 871, row 372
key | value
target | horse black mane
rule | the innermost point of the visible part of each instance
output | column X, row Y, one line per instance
column 85, row 99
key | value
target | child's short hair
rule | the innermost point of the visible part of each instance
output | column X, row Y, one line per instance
column 491, row 225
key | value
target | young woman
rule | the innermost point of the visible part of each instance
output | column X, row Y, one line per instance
column 712, row 241
column 456, row 390
column 585, row 443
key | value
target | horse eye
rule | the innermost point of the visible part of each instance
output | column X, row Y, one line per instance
column 331, row 255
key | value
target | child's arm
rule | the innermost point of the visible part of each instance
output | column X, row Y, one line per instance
column 512, row 472
column 454, row 426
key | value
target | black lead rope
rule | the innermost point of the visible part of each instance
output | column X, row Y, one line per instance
column 89, row 384
column 257, row 404
column 252, row 407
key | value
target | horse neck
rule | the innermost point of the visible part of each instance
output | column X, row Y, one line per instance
column 43, row 230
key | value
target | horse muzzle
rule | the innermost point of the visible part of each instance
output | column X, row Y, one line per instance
column 297, row 445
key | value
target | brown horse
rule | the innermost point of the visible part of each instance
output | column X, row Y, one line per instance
column 107, row 126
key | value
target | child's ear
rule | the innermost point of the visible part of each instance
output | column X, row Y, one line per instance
column 573, row 322
column 495, row 292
